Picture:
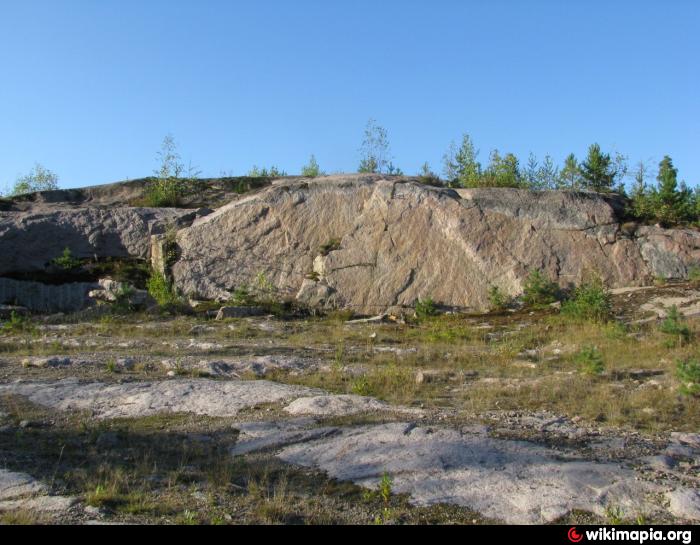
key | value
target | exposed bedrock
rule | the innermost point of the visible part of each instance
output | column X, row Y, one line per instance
column 30, row 239
column 371, row 244
column 362, row 242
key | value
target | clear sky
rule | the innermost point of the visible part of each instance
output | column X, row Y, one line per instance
column 90, row 88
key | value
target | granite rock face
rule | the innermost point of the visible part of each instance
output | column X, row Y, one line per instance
column 30, row 239
column 370, row 244
column 366, row 243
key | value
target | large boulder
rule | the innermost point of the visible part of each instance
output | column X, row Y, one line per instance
column 369, row 243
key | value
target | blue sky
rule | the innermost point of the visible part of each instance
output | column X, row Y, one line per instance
column 90, row 88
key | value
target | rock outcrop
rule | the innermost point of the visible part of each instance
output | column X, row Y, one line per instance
column 369, row 244
column 363, row 242
column 30, row 239
column 46, row 298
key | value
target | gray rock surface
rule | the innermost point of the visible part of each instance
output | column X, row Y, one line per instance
column 259, row 366
column 685, row 504
column 41, row 362
column 363, row 242
column 50, row 505
column 371, row 244
column 687, row 305
column 513, row 481
column 17, row 485
column 135, row 399
column 239, row 312
column 335, row 405
column 31, row 239
column 257, row 436
column 111, row 291
column 47, row 298
column 21, row 491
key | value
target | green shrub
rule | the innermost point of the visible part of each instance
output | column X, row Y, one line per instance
column 674, row 326
column 499, row 300
column 538, row 291
column 169, row 186
column 428, row 177
column 165, row 192
column 590, row 301
column 590, row 360
column 361, row 387
column 242, row 296
column 66, row 261
column 385, row 488
column 694, row 273
column 39, row 179
column 312, row 170
column 425, row 308
column 331, row 246
column 273, row 172
column 688, row 373
column 17, row 323
column 161, row 289
column 123, row 301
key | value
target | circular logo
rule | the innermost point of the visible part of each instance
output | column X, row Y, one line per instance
column 574, row 536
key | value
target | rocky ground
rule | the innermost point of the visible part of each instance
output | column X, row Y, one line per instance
column 158, row 418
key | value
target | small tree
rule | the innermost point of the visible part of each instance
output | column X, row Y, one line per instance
column 672, row 205
column 570, row 175
column 170, row 165
column 530, row 174
column 540, row 176
column 374, row 152
column 272, row 172
column 38, row 179
column 468, row 168
column 169, row 184
column 450, row 169
column 427, row 176
column 393, row 170
column 598, row 171
column 503, row 171
column 539, row 291
column 311, row 170
column 642, row 205
column 547, row 174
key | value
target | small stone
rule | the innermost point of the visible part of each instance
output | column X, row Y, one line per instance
column 432, row 375
column 239, row 312
column 171, row 373
column 92, row 511
column 216, row 369
column 680, row 451
column 125, row 364
column 661, row 463
column 692, row 439
column 41, row 363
